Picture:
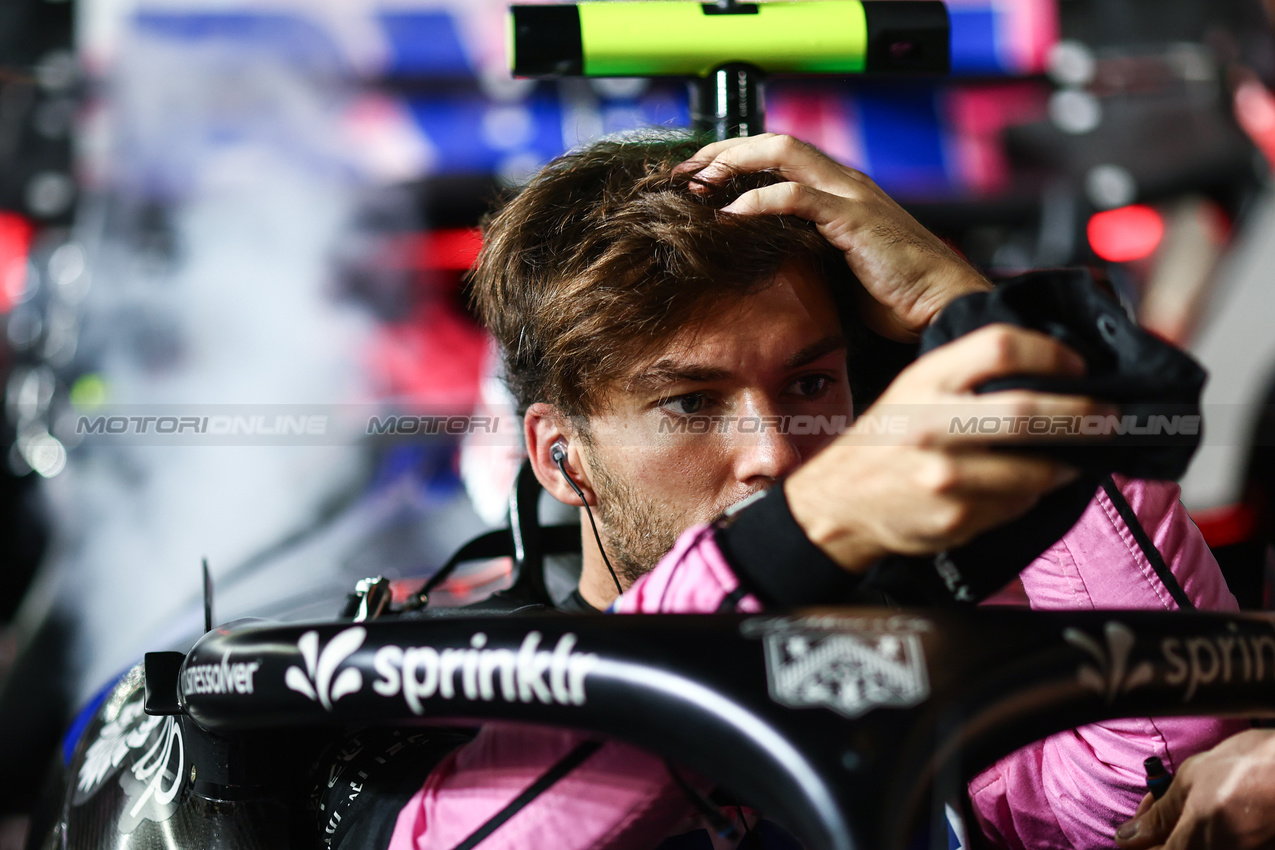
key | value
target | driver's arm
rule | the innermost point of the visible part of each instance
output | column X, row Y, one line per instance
column 933, row 489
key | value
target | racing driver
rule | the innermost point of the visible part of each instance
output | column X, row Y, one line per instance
column 639, row 288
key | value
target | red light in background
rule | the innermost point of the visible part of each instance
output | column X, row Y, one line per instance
column 15, row 247
column 1227, row 525
column 449, row 249
column 1126, row 234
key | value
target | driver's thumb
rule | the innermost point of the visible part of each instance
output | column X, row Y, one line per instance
column 1152, row 827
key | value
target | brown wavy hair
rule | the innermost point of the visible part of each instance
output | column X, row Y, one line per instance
column 607, row 252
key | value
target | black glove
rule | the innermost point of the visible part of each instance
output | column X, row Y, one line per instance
column 1156, row 386
column 1148, row 379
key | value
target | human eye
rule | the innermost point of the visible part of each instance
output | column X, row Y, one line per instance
column 687, row 404
column 809, row 386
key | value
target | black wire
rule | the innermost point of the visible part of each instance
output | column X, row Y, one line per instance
column 562, row 467
column 717, row 819
column 565, row 765
column 751, row 839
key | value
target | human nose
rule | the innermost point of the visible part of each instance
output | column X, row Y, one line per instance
column 764, row 451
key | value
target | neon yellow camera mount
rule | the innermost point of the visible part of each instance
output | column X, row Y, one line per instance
column 728, row 49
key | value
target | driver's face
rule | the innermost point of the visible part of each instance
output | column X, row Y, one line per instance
column 700, row 425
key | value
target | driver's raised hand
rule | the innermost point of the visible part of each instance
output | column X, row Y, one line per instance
column 934, row 487
column 908, row 272
column 1223, row 799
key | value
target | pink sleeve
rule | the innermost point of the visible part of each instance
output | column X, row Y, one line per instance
column 1073, row 788
column 618, row 797
column 692, row 578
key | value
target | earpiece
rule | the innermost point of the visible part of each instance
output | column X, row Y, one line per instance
column 558, row 454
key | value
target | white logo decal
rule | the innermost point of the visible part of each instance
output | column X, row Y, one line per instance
column 150, row 769
column 1203, row 660
column 422, row 672
column 1111, row 677
column 316, row 681
column 154, row 754
column 223, row 678
column 127, row 732
column 849, row 666
column 530, row 674
column 952, row 578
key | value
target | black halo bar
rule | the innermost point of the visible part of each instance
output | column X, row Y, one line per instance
column 849, row 746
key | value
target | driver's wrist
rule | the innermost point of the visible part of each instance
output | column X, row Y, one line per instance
column 967, row 283
column 850, row 548
column 774, row 560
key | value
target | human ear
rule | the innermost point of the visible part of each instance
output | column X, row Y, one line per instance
column 544, row 427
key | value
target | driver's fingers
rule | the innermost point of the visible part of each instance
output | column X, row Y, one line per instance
column 995, row 475
column 1158, row 825
column 997, row 351
column 708, row 153
column 785, row 155
column 1195, row 839
column 1015, row 417
column 796, row 199
column 993, row 513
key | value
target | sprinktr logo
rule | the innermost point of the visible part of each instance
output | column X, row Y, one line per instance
column 316, row 681
column 1112, row 675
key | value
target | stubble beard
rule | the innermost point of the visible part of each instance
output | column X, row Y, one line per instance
column 637, row 530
